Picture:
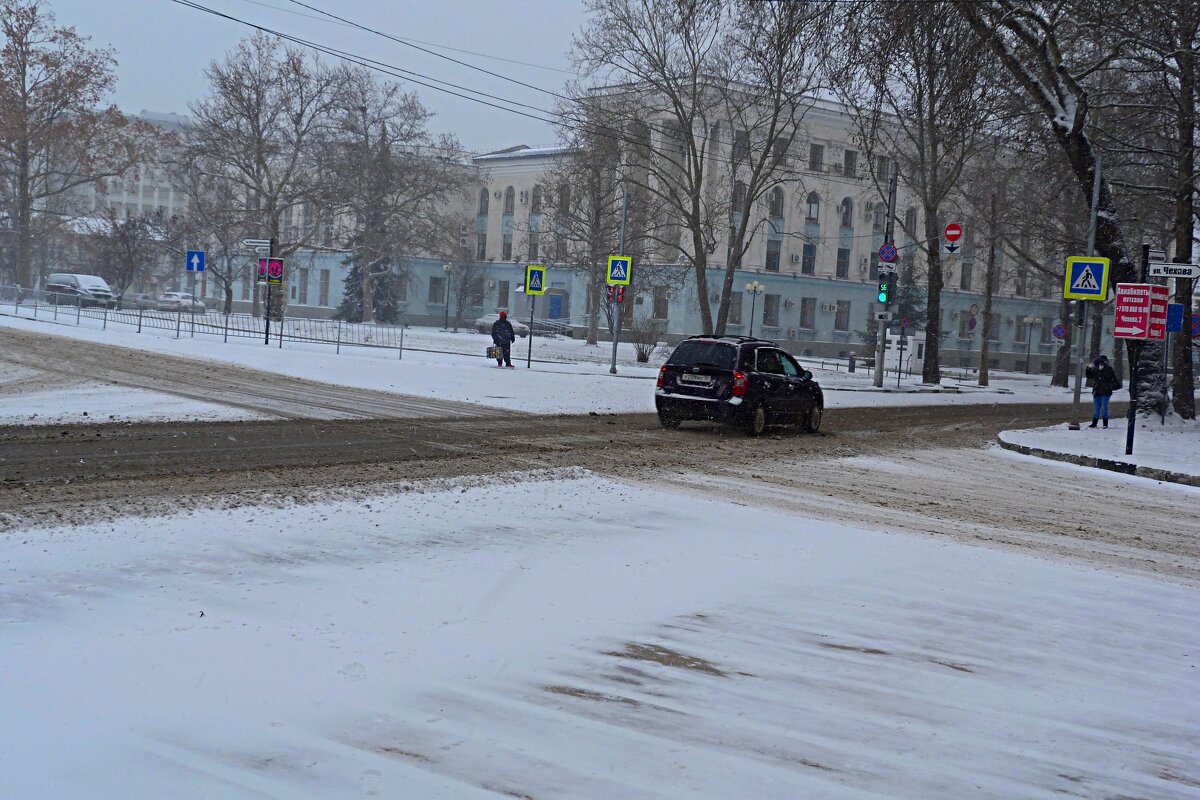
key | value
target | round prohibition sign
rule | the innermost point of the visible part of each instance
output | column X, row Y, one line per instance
column 887, row 253
column 953, row 232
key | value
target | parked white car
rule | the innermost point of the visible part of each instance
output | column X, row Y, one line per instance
column 180, row 301
column 484, row 325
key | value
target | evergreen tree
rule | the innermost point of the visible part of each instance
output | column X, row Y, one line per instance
column 386, row 294
column 350, row 309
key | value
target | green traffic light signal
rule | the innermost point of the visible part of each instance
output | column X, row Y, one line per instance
column 885, row 290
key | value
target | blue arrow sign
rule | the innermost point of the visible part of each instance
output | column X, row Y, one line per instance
column 194, row 261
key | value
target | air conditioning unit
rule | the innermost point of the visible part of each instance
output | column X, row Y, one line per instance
column 791, row 333
column 788, row 303
column 524, row 197
column 715, row 297
column 868, row 211
column 863, row 266
column 491, row 284
column 795, row 258
column 496, row 194
column 462, row 229
column 463, row 241
column 828, row 306
column 670, row 295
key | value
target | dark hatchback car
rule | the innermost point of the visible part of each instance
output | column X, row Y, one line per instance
column 750, row 383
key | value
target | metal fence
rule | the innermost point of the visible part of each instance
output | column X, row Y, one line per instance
column 38, row 304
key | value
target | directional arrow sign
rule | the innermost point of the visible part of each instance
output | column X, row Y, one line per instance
column 194, row 262
column 256, row 242
column 951, row 249
column 1174, row 270
column 1141, row 311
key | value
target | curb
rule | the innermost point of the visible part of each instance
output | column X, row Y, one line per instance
column 1123, row 467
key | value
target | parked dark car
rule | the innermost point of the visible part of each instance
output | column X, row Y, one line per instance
column 75, row 289
column 750, row 383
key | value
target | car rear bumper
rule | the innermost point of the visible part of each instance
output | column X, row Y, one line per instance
column 684, row 407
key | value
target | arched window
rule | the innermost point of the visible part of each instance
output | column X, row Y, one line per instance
column 483, row 201
column 910, row 223
column 879, row 224
column 847, row 213
column 510, row 199
column 563, row 200
column 814, row 207
column 535, row 201
column 775, row 203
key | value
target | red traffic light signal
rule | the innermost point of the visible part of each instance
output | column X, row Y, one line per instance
column 620, row 294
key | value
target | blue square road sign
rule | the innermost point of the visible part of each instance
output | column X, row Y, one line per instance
column 620, row 270
column 194, row 262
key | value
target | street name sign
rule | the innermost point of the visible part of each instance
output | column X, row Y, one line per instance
column 1086, row 278
column 256, row 242
column 886, row 267
column 1163, row 270
column 620, row 270
column 535, row 279
column 1141, row 311
column 1157, row 255
column 194, row 262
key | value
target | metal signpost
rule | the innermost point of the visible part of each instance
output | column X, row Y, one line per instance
column 193, row 262
column 886, row 274
column 270, row 270
column 535, row 284
column 620, row 273
column 1141, row 314
column 1086, row 278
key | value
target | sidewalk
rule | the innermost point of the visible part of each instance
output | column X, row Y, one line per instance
column 1168, row 452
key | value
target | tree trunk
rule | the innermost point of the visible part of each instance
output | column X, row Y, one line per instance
column 1097, row 331
column 24, row 219
column 228, row 298
column 1183, row 386
column 700, row 260
column 985, row 346
column 931, row 370
column 368, row 290
column 593, row 306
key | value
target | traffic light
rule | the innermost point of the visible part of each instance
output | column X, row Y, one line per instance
column 610, row 294
column 885, row 289
column 620, row 294
column 616, row 294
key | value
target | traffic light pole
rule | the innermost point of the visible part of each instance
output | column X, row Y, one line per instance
column 267, row 310
column 888, row 238
column 1091, row 251
column 617, row 307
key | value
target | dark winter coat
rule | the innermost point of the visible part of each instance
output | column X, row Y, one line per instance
column 1104, row 379
column 502, row 332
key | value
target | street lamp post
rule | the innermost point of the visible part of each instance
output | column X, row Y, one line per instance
column 449, row 270
column 1029, row 323
column 755, row 288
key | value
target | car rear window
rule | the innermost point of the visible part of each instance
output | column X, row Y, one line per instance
column 703, row 354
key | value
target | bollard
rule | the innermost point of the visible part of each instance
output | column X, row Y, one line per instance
column 851, row 367
column 227, row 329
column 78, row 310
column 55, row 310
column 178, row 320
column 401, row 358
column 104, row 324
column 140, row 312
column 339, row 338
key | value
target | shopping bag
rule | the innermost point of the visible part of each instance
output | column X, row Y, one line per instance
column 494, row 352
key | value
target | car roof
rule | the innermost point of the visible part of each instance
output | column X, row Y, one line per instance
column 732, row 340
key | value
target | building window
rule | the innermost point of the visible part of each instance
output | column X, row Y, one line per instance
column 780, row 147
column 483, row 202
column 437, row 290
column 1022, row 281
column 843, row 262
column 883, row 168
column 770, row 311
column 775, row 203
column 533, row 245
column 910, row 223
column 964, row 279
column 502, row 294
column 850, row 163
column 735, row 308
column 841, row 320
column 535, row 200
column 773, row 249
column 739, row 201
column 816, row 157
column 510, row 199
column 813, row 208
column 661, row 303
column 741, row 145
column 303, row 287
column 964, row 325
column 879, row 220
column 327, row 227
column 476, row 290
column 560, row 247
column 506, row 248
column 401, row 286
column 808, row 312
column 808, row 262
column 847, row 209
column 480, row 246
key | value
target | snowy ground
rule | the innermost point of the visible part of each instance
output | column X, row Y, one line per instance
column 567, row 377
column 1173, row 446
column 565, row 636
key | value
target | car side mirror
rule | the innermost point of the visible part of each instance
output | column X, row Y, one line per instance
column 805, row 375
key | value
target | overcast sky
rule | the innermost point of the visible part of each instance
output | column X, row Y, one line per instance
column 162, row 49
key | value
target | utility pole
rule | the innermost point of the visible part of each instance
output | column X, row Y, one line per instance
column 1082, row 304
column 888, row 238
column 267, row 309
column 618, row 307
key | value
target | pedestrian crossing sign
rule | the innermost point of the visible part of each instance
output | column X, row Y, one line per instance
column 535, row 279
column 1086, row 278
column 620, row 270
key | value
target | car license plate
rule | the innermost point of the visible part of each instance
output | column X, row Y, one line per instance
column 696, row 380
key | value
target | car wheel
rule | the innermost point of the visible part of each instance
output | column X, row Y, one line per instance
column 668, row 421
column 812, row 420
column 757, row 422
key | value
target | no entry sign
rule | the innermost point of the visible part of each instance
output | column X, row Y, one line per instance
column 1141, row 311
column 953, row 232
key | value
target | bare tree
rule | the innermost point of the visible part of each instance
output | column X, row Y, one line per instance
column 53, row 136
column 394, row 179
column 123, row 250
column 268, row 116
column 920, row 99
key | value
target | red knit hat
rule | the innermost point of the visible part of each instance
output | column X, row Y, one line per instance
column 503, row 315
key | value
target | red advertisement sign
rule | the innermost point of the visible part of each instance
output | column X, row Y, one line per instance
column 1141, row 311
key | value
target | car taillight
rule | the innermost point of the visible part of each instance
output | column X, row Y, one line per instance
column 739, row 384
column 661, row 372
